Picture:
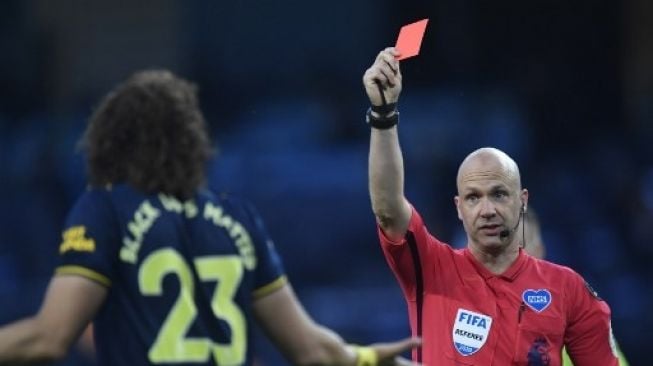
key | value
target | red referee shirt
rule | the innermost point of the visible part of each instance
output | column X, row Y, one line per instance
column 468, row 316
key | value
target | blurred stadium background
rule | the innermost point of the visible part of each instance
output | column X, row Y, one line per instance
column 565, row 87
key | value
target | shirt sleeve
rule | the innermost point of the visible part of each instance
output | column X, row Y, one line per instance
column 89, row 239
column 413, row 256
column 269, row 273
column 588, row 336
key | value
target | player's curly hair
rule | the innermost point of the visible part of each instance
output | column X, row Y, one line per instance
column 150, row 133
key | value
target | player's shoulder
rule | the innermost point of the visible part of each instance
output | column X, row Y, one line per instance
column 110, row 193
column 93, row 208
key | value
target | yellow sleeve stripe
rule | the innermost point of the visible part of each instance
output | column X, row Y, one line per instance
column 84, row 272
column 270, row 287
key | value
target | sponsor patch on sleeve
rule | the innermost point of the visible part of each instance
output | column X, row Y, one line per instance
column 74, row 239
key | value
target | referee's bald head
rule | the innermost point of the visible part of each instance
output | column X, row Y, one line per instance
column 488, row 163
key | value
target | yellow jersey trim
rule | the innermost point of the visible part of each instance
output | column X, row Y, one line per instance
column 84, row 272
column 270, row 287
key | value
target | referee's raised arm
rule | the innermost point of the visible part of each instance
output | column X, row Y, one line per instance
column 382, row 83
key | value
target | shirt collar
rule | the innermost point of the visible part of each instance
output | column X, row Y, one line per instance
column 509, row 274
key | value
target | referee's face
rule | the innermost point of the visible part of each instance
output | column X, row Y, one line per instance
column 488, row 203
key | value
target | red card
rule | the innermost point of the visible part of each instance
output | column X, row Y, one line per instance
column 410, row 39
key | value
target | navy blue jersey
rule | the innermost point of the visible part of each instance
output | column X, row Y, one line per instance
column 181, row 276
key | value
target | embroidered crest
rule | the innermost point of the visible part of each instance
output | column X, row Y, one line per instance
column 538, row 354
column 470, row 331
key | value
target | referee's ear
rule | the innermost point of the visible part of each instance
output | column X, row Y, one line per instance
column 524, row 200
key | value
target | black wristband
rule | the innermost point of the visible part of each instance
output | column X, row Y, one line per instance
column 383, row 122
column 385, row 109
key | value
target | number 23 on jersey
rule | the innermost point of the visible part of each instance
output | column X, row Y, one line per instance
column 171, row 344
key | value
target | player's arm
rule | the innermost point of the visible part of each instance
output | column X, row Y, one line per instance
column 386, row 167
column 70, row 303
column 304, row 342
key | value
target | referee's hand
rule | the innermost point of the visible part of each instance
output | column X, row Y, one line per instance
column 389, row 353
column 384, row 74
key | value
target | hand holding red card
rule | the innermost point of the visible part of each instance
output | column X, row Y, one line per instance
column 410, row 39
column 382, row 80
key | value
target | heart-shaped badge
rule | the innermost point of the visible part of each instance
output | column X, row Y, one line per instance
column 537, row 300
